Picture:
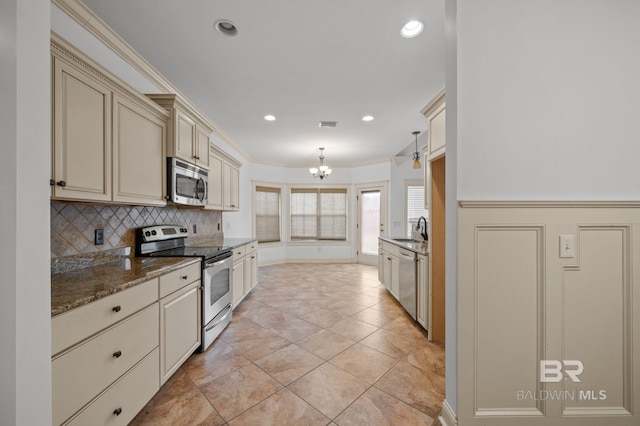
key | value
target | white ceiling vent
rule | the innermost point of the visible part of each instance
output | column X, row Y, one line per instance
column 327, row 124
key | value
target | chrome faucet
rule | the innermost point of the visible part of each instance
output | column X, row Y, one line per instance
column 424, row 234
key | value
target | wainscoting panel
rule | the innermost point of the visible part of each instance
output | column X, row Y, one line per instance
column 509, row 284
column 544, row 339
column 597, row 322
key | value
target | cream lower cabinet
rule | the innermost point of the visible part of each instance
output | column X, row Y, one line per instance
column 180, row 311
column 245, row 271
column 111, row 356
column 424, row 294
column 224, row 181
column 391, row 268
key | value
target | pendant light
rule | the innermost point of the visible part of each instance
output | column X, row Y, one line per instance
column 322, row 171
column 416, row 155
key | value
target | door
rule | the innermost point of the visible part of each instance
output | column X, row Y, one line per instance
column 371, row 221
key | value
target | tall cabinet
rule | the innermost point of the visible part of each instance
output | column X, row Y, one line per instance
column 435, row 155
column 224, row 181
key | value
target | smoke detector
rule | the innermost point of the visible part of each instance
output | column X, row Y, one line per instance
column 327, row 124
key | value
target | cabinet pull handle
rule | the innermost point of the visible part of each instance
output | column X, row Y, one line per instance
column 184, row 277
column 253, row 257
column 116, row 308
column 61, row 183
column 117, row 411
column 117, row 354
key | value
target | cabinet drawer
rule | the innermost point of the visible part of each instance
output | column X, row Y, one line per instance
column 175, row 280
column 73, row 326
column 251, row 247
column 391, row 248
column 127, row 396
column 83, row 372
column 239, row 252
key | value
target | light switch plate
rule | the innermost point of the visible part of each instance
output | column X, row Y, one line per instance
column 567, row 245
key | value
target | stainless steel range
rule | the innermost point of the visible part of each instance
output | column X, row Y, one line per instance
column 217, row 276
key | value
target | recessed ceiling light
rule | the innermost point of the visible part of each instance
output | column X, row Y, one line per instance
column 367, row 118
column 412, row 29
column 270, row 117
column 226, row 27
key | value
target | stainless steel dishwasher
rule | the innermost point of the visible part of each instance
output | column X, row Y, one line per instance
column 408, row 282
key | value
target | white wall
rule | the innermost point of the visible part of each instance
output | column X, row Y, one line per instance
column 548, row 99
column 397, row 197
column 25, row 292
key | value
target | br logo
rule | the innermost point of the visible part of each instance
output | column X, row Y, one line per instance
column 551, row 370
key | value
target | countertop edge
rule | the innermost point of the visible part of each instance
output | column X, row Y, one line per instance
column 407, row 246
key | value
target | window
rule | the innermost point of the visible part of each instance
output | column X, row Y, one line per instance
column 415, row 206
column 267, row 209
column 319, row 214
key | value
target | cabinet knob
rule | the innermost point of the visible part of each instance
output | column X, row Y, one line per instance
column 117, row 354
column 116, row 308
column 61, row 183
column 184, row 277
column 117, row 411
column 52, row 182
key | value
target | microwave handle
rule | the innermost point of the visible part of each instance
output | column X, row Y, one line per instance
column 204, row 193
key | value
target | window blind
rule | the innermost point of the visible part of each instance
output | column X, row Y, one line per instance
column 318, row 214
column 415, row 206
column 267, row 208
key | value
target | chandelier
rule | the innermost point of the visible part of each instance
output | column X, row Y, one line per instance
column 416, row 155
column 322, row 171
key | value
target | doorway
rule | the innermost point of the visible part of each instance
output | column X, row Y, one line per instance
column 371, row 221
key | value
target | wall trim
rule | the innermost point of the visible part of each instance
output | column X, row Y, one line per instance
column 548, row 204
column 447, row 416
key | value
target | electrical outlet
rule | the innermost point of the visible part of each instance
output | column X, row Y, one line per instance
column 99, row 237
column 195, row 228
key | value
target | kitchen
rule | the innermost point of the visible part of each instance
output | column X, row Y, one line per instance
column 15, row 311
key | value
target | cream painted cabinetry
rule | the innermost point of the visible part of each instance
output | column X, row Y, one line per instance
column 423, row 293
column 108, row 142
column 188, row 130
column 391, row 268
column 81, row 134
column 180, row 310
column 139, row 138
column 112, row 355
column 245, row 271
column 224, row 181
column 94, row 362
column 435, row 112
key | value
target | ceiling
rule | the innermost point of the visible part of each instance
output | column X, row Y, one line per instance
column 303, row 61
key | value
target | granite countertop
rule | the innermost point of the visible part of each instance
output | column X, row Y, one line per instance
column 73, row 288
column 237, row 242
column 415, row 246
column 229, row 242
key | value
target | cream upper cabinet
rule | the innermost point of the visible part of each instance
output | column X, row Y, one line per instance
column 81, row 135
column 224, row 181
column 188, row 132
column 139, row 137
column 108, row 140
column 435, row 112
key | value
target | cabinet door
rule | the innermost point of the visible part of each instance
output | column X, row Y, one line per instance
column 437, row 127
column 226, row 186
column 215, row 201
column 202, row 147
column 179, row 328
column 184, row 136
column 250, row 271
column 423, row 292
column 235, row 188
column 386, row 271
column 253, row 257
column 395, row 277
column 81, row 135
column 238, row 281
column 138, row 154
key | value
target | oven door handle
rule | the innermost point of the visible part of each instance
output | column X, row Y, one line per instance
column 219, row 262
column 224, row 317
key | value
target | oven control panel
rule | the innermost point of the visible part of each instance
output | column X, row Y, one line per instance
column 162, row 232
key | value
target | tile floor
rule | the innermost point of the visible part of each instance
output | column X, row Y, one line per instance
column 313, row 344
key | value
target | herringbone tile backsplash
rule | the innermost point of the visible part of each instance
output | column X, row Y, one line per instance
column 73, row 225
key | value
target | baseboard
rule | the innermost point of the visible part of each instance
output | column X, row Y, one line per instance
column 289, row 260
column 447, row 416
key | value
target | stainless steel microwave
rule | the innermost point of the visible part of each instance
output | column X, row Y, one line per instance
column 186, row 184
